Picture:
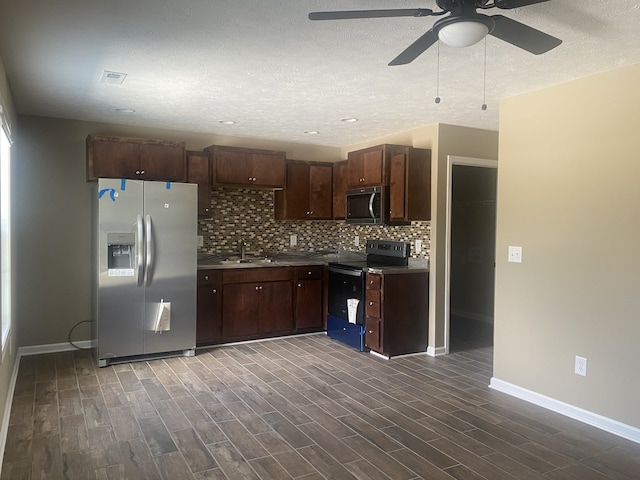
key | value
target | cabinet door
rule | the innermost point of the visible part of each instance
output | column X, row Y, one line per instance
column 365, row 167
column 112, row 159
column 320, row 192
column 297, row 191
column 339, row 189
column 373, row 168
column 240, row 310
column 209, row 325
column 162, row 162
column 308, row 307
column 355, row 169
column 397, row 187
column 276, row 307
column 233, row 167
column 198, row 172
column 268, row 169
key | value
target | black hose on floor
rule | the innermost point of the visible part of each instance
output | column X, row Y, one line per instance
column 71, row 331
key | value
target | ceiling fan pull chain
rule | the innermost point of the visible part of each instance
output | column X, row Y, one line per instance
column 437, row 99
column 484, row 77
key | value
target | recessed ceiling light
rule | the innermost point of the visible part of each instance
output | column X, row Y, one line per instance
column 112, row 77
column 311, row 132
column 349, row 120
column 125, row 110
column 227, row 122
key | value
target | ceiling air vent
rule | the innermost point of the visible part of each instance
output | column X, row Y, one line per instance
column 115, row 78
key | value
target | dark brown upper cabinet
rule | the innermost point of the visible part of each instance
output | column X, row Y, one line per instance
column 367, row 167
column 339, row 189
column 307, row 195
column 135, row 158
column 247, row 167
column 405, row 170
column 410, row 185
column 199, row 172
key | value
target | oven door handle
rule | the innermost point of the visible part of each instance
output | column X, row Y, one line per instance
column 344, row 271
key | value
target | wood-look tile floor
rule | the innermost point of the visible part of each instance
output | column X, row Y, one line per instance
column 304, row 408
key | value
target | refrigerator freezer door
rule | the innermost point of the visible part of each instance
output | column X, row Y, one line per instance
column 170, row 211
column 120, row 301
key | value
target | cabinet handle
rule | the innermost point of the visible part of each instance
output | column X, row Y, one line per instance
column 370, row 332
column 299, row 284
column 257, row 287
column 142, row 172
column 371, row 303
column 214, row 291
column 137, row 172
column 308, row 273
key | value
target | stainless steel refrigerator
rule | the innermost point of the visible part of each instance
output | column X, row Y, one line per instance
column 145, row 270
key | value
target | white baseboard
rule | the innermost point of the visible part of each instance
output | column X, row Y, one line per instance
column 53, row 348
column 436, row 351
column 585, row 416
column 4, row 429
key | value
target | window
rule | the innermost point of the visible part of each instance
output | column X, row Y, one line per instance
column 5, row 237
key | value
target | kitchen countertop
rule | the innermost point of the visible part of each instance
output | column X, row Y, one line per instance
column 224, row 261
column 230, row 260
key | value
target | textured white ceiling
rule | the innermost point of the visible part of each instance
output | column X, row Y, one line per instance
column 263, row 64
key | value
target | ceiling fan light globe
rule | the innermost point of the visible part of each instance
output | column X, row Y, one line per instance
column 463, row 33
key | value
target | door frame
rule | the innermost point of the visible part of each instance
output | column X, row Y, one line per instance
column 451, row 161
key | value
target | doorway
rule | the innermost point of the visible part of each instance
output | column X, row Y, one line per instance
column 471, row 253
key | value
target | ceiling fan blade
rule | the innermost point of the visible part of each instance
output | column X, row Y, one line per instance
column 349, row 14
column 523, row 36
column 416, row 49
column 509, row 4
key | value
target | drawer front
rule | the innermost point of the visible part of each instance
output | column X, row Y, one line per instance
column 209, row 276
column 372, row 334
column 260, row 274
column 312, row 272
column 374, row 281
column 373, row 303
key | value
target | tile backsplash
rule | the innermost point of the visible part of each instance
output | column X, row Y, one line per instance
column 248, row 215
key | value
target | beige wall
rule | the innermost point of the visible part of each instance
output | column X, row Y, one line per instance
column 568, row 194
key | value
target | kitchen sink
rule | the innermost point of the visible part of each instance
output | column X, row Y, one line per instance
column 234, row 261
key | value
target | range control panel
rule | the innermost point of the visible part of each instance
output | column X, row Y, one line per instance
column 388, row 248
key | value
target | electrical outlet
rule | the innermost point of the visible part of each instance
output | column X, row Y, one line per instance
column 418, row 246
column 200, row 240
column 356, row 241
column 581, row 366
column 293, row 240
column 515, row 254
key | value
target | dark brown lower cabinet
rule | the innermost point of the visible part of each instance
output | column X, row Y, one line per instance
column 209, row 315
column 397, row 312
column 309, row 299
column 251, row 303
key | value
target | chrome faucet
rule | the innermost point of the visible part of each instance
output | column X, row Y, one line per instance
column 243, row 252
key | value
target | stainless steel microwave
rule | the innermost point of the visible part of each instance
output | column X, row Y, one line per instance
column 368, row 205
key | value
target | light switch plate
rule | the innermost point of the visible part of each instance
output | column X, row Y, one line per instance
column 515, row 254
column 418, row 246
column 200, row 240
column 293, row 240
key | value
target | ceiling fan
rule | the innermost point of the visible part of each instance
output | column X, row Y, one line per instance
column 462, row 28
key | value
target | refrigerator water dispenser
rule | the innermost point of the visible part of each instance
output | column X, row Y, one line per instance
column 121, row 256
